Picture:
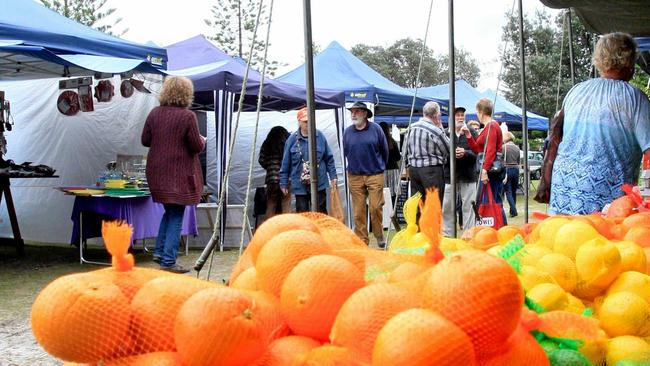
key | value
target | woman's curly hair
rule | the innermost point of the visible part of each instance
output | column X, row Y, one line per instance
column 177, row 91
column 615, row 51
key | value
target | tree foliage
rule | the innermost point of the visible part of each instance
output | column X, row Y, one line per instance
column 88, row 12
column 233, row 24
column 399, row 63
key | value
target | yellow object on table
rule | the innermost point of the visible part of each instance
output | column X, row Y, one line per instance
column 115, row 183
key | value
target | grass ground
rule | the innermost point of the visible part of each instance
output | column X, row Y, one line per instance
column 21, row 279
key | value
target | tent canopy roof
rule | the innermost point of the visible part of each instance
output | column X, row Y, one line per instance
column 211, row 69
column 38, row 42
column 605, row 16
column 338, row 69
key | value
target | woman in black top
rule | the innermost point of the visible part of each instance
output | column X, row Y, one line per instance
column 391, row 174
column 270, row 159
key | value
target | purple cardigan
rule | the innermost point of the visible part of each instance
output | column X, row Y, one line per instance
column 173, row 167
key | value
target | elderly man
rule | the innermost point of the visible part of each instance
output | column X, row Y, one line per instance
column 427, row 149
column 466, row 177
column 366, row 151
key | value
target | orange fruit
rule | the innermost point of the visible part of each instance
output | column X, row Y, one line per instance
column 155, row 307
column 636, row 220
column 244, row 262
column 269, row 311
column 219, row 326
column 507, row 233
column 527, row 229
column 421, row 337
column 278, row 257
column 639, row 235
column 406, row 271
column 621, row 207
column 276, row 225
column 81, row 318
column 314, row 292
column 337, row 235
column 247, row 280
column 147, row 359
column 131, row 281
column 471, row 232
column 601, row 224
column 364, row 314
column 327, row 355
column 520, row 349
column 286, row 350
column 485, row 239
column 479, row 293
column 313, row 216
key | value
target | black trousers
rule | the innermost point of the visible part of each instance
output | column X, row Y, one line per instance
column 303, row 202
column 428, row 177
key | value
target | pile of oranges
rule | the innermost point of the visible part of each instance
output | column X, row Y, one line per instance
column 307, row 291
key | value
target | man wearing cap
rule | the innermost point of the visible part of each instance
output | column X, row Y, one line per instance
column 466, row 177
column 366, row 151
column 427, row 149
column 294, row 170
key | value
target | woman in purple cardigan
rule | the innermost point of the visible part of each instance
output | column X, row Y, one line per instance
column 173, row 169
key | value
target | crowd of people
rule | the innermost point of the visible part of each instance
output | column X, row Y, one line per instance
column 595, row 146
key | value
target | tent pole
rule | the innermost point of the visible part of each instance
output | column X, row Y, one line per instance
column 524, row 121
column 571, row 64
column 451, row 119
column 309, row 80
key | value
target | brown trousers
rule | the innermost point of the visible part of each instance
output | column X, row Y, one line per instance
column 372, row 188
column 276, row 202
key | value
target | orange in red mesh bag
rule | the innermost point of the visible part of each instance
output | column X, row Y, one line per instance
column 478, row 292
column 314, row 291
column 220, row 326
column 86, row 317
column 327, row 355
column 520, row 349
column 287, row 350
column 421, row 337
column 364, row 314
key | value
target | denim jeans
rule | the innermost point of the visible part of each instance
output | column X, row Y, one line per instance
column 511, row 188
column 303, row 202
column 169, row 235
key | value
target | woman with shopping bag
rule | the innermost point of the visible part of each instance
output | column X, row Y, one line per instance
column 488, row 145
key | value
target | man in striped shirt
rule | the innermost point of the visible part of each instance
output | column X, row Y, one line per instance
column 427, row 149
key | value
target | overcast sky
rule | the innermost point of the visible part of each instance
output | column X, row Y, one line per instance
column 376, row 22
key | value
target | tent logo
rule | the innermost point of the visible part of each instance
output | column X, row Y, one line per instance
column 358, row 94
column 158, row 61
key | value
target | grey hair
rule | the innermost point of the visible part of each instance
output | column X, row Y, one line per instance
column 615, row 51
column 431, row 109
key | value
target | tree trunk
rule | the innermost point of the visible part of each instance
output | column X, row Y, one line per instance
column 241, row 54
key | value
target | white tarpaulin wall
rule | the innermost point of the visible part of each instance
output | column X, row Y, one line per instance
column 78, row 147
column 325, row 122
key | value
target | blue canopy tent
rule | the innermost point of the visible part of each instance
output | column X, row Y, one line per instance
column 218, row 80
column 467, row 96
column 37, row 42
column 336, row 68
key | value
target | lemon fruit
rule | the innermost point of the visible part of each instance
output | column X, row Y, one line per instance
column 561, row 268
column 632, row 256
column 575, row 305
column 636, row 282
column 572, row 236
column 598, row 263
column 530, row 277
column 548, row 228
column 627, row 348
column 625, row 313
column 549, row 296
column 531, row 254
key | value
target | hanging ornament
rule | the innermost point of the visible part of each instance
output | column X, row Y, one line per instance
column 104, row 91
column 126, row 88
column 68, row 103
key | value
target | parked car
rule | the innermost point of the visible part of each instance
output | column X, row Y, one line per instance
column 535, row 159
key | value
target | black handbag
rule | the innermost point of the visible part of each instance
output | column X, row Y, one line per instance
column 497, row 166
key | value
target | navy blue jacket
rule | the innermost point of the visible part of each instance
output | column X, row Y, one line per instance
column 366, row 150
column 292, row 162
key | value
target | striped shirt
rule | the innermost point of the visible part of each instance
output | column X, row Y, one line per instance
column 426, row 145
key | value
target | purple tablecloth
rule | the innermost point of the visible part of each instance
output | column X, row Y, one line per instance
column 141, row 212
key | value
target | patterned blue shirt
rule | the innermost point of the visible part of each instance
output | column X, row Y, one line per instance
column 606, row 131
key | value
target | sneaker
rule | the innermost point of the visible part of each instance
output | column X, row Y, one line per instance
column 177, row 268
column 157, row 259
